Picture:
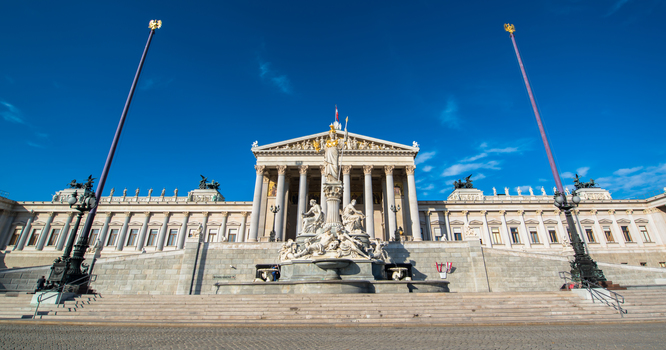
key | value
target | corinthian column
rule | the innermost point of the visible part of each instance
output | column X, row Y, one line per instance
column 346, row 179
column 256, row 204
column 413, row 204
column 390, row 197
column 322, row 201
column 242, row 228
column 45, row 232
column 302, row 196
column 367, row 196
column 279, row 200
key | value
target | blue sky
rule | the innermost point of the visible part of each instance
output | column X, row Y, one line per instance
column 222, row 74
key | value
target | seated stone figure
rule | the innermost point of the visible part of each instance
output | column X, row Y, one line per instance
column 352, row 219
column 313, row 218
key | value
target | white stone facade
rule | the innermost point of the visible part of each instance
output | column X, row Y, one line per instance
column 378, row 174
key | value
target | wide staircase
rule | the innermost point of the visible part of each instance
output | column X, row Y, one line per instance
column 436, row 308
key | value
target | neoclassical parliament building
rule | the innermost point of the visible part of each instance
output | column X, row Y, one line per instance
column 486, row 236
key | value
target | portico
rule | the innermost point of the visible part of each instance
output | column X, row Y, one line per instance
column 376, row 173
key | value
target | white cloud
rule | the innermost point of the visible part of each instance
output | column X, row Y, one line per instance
column 32, row 144
column 281, row 81
column 427, row 168
column 11, row 114
column 449, row 116
column 582, row 171
column 478, row 177
column 635, row 179
column 567, row 175
column 427, row 188
column 623, row 172
column 423, row 157
column 465, row 167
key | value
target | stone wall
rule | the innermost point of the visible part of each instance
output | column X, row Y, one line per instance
column 220, row 262
column 199, row 266
column 631, row 256
column 150, row 273
column 15, row 259
column 517, row 271
column 23, row 280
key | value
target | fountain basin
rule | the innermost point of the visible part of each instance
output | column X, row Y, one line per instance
column 332, row 266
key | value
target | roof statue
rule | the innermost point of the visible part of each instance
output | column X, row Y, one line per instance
column 578, row 184
column 204, row 185
column 460, row 184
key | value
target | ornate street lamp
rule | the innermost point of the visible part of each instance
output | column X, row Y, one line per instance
column 583, row 267
column 68, row 269
column 274, row 210
column 396, row 234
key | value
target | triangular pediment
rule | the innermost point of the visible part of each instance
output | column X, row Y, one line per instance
column 355, row 144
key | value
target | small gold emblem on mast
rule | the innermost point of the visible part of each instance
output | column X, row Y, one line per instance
column 155, row 24
column 509, row 28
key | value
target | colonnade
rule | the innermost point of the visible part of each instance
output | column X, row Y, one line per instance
column 260, row 198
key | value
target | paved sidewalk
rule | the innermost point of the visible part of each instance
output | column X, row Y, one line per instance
column 600, row 336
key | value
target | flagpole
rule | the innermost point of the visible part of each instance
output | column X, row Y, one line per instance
column 154, row 24
column 583, row 267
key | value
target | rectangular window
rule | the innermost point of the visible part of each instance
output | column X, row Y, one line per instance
column 131, row 240
column 662, row 264
column 152, row 238
column 608, row 234
column 232, row 234
column 54, row 236
column 626, row 234
column 590, row 235
column 34, row 237
column 457, row 233
column 497, row 237
column 645, row 234
column 112, row 237
column 553, row 235
column 191, row 232
column 94, row 233
column 173, row 233
column 438, row 234
column 212, row 235
column 533, row 235
column 15, row 236
column 515, row 238
column 643, row 264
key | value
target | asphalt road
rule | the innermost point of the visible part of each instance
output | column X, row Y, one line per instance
column 109, row 336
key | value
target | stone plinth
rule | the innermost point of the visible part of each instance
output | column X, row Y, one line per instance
column 466, row 194
column 207, row 195
column 594, row 194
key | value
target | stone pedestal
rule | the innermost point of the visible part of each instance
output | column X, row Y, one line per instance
column 333, row 192
column 207, row 195
column 593, row 194
column 466, row 194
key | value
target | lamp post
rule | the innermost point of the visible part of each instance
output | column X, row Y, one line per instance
column 274, row 210
column 395, row 210
column 153, row 25
column 67, row 269
column 583, row 267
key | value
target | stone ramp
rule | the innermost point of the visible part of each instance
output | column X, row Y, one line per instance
column 340, row 309
column 22, row 279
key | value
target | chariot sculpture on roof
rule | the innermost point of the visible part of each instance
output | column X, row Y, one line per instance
column 204, row 185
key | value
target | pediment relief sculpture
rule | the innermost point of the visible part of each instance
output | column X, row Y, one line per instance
column 317, row 142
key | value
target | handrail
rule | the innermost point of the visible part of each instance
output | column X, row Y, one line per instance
column 41, row 298
column 612, row 299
